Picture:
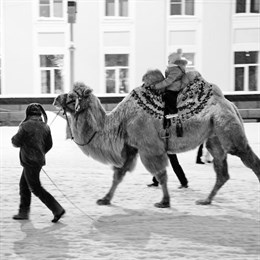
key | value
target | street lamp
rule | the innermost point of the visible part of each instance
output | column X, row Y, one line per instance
column 72, row 10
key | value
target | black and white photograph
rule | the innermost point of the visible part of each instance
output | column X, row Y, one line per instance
column 130, row 129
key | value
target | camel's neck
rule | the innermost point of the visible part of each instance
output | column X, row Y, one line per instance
column 100, row 134
column 89, row 121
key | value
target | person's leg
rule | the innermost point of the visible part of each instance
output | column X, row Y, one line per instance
column 32, row 176
column 178, row 170
column 154, row 184
column 199, row 154
column 171, row 102
column 25, row 199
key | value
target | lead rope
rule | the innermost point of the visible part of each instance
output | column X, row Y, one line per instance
column 68, row 199
column 68, row 122
column 55, row 117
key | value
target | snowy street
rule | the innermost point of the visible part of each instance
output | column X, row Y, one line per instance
column 131, row 228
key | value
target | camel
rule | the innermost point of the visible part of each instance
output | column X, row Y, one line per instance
column 135, row 126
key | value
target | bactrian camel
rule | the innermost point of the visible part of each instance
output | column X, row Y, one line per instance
column 135, row 126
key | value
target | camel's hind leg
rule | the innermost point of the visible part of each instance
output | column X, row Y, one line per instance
column 233, row 138
column 220, row 167
column 118, row 176
column 249, row 158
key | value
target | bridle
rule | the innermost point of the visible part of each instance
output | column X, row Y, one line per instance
column 64, row 107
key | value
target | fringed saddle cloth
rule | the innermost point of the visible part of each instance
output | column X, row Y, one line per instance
column 191, row 100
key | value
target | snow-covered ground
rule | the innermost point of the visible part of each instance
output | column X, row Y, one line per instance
column 131, row 228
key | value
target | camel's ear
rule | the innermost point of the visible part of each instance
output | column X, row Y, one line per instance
column 87, row 91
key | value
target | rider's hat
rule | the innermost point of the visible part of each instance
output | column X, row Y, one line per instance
column 177, row 57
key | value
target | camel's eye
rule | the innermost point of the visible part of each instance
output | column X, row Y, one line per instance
column 71, row 96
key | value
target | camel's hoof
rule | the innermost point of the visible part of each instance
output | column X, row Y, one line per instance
column 103, row 202
column 203, row 202
column 162, row 205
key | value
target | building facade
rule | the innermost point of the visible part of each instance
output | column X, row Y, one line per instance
column 114, row 42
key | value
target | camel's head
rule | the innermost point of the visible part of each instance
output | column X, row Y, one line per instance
column 71, row 101
column 152, row 77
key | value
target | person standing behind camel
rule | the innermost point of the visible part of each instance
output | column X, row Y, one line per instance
column 178, row 171
column 172, row 82
column 35, row 140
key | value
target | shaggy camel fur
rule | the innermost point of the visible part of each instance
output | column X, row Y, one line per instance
column 135, row 126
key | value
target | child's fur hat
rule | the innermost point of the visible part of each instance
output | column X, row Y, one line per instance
column 35, row 109
column 177, row 58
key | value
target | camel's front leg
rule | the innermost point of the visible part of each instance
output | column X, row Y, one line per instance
column 119, row 174
column 162, row 179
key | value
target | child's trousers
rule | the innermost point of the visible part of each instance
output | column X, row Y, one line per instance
column 30, row 183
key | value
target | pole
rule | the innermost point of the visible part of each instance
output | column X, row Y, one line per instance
column 72, row 50
column 72, row 10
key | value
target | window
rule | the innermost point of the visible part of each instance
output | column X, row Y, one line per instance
column 51, row 8
column 51, row 67
column 247, row 6
column 254, row 6
column 246, row 71
column 116, row 8
column 117, row 73
column 181, row 7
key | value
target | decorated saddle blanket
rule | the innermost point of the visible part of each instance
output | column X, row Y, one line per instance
column 191, row 100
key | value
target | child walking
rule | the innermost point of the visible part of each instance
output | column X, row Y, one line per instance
column 172, row 82
column 34, row 140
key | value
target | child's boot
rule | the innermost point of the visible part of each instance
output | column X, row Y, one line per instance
column 22, row 215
